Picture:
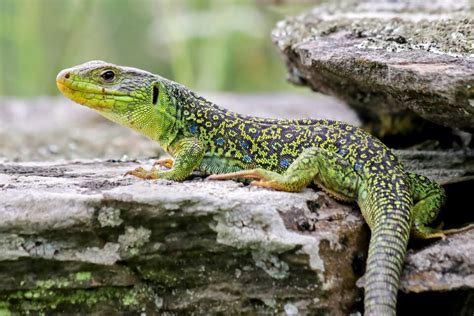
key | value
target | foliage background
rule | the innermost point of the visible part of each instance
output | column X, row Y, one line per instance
column 205, row 44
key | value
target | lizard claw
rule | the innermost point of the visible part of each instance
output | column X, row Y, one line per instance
column 165, row 162
column 142, row 173
column 457, row 230
column 440, row 233
column 134, row 171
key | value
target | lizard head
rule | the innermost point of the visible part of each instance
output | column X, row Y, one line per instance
column 122, row 94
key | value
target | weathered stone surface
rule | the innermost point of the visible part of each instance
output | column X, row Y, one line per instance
column 445, row 266
column 387, row 59
column 197, row 246
column 447, row 167
column 80, row 237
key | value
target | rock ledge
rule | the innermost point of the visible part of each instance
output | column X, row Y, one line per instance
column 77, row 237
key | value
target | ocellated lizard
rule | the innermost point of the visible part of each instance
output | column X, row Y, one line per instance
column 287, row 155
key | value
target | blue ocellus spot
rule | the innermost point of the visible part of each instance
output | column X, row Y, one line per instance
column 284, row 163
column 244, row 144
column 343, row 151
column 193, row 129
column 247, row 158
column 220, row 141
column 358, row 167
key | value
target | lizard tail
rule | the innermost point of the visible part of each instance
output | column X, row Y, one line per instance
column 387, row 210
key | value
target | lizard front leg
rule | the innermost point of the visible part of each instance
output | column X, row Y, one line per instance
column 188, row 156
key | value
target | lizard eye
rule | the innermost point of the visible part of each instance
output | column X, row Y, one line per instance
column 108, row 75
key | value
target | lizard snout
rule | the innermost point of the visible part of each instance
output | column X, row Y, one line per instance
column 62, row 75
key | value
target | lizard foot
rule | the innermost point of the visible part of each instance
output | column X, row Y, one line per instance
column 245, row 174
column 441, row 233
column 457, row 230
column 266, row 184
column 261, row 179
column 142, row 173
column 165, row 162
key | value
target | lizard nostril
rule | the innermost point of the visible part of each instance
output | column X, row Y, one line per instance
column 67, row 75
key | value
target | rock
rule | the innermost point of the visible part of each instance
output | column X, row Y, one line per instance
column 446, row 167
column 81, row 238
column 440, row 278
column 392, row 61
column 451, row 266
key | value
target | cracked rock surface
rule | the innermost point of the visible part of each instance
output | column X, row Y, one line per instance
column 190, row 247
column 394, row 62
column 80, row 237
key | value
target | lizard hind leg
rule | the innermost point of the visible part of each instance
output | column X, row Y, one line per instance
column 313, row 163
column 429, row 197
column 266, row 179
column 298, row 175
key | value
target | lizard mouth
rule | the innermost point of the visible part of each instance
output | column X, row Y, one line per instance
column 89, row 94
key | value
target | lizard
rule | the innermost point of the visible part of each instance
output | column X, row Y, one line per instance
column 345, row 161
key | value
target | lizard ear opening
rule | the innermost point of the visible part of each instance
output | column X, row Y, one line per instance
column 155, row 94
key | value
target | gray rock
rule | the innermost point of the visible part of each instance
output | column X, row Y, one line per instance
column 80, row 237
column 392, row 61
column 445, row 266
column 198, row 246
column 448, row 167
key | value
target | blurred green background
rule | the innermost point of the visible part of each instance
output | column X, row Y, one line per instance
column 205, row 44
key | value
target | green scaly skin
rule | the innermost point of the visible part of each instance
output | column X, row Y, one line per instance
column 287, row 155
